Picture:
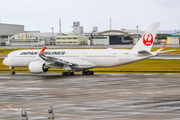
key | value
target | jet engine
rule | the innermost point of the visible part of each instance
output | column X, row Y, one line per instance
column 37, row 67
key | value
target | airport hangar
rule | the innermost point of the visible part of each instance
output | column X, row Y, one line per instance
column 116, row 37
column 31, row 38
column 8, row 30
column 12, row 34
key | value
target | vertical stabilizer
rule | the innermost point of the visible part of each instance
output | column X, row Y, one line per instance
column 147, row 40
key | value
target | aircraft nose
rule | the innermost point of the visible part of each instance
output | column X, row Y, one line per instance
column 5, row 62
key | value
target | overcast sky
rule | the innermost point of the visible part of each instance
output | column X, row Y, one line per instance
column 44, row 14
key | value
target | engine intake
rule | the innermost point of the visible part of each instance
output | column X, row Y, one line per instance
column 37, row 67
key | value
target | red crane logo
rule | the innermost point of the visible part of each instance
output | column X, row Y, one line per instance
column 148, row 39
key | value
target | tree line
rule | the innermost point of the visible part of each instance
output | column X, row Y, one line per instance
column 161, row 36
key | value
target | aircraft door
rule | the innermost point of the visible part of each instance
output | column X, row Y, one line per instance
column 120, row 56
column 84, row 56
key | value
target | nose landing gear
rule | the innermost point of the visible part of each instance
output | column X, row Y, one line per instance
column 12, row 71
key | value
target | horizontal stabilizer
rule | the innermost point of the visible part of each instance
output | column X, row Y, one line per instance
column 143, row 52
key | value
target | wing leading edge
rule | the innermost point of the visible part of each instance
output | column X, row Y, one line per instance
column 55, row 60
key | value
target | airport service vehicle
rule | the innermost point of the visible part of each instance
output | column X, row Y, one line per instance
column 39, row 61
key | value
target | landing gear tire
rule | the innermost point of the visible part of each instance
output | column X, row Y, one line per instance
column 88, row 72
column 92, row 72
column 72, row 73
column 83, row 72
column 64, row 74
column 12, row 73
column 68, row 73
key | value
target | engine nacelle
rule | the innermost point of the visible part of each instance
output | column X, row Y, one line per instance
column 37, row 67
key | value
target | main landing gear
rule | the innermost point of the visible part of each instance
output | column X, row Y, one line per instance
column 84, row 72
column 12, row 71
column 68, row 73
column 88, row 72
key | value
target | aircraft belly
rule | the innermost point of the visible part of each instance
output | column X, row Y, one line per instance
column 105, row 62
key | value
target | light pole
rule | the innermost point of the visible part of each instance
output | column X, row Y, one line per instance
column 52, row 35
column 137, row 33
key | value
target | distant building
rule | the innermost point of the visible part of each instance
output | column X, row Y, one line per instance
column 71, row 39
column 77, row 29
column 7, row 30
column 115, row 37
column 173, row 38
column 100, row 40
column 31, row 39
column 166, row 31
column 75, row 38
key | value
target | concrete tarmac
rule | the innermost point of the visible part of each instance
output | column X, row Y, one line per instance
column 98, row 97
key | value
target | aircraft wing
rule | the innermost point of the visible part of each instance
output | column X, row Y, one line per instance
column 159, row 51
column 167, row 51
column 53, row 59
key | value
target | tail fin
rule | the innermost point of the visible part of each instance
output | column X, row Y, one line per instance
column 147, row 40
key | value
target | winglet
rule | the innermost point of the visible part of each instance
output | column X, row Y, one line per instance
column 42, row 51
column 161, row 49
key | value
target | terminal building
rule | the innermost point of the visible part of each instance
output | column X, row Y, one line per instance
column 173, row 38
column 8, row 30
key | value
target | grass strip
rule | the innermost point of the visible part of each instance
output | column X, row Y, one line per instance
column 144, row 66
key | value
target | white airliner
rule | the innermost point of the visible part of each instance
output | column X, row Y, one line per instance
column 39, row 61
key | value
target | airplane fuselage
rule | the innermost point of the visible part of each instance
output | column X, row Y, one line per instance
column 86, row 58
